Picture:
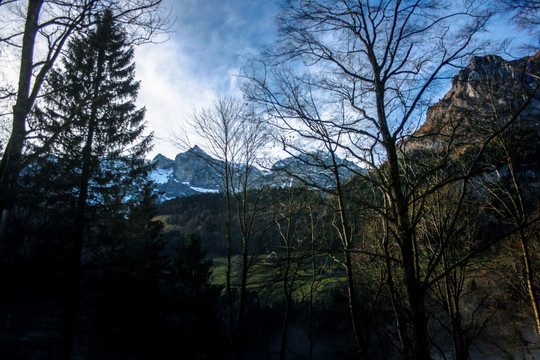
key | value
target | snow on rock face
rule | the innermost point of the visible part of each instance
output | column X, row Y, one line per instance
column 161, row 176
column 194, row 171
column 203, row 190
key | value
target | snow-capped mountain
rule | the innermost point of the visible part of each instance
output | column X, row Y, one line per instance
column 194, row 171
column 314, row 169
column 189, row 173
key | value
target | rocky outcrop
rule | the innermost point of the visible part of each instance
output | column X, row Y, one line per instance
column 198, row 169
column 484, row 96
column 189, row 173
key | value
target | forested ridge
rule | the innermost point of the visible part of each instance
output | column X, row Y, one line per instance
column 410, row 230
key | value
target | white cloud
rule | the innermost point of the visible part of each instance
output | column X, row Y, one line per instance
column 168, row 91
column 199, row 62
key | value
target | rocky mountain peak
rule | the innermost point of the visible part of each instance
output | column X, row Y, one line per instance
column 494, row 70
column 196, row 150
column 486, row 81
column 162, row 161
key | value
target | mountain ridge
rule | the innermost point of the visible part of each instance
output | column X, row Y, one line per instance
column 450, row 119
column 194, row 171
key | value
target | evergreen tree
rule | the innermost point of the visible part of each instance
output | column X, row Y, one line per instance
column 197, row 323
column 99, row 146
column 128, row 276
column 191, row 269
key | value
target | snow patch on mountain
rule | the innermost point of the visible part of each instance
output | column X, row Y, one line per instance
column 194, row 171
column 203, row 190
column 161, row 176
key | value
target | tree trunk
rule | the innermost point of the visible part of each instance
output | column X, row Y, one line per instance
column 398, row 311
column 11, row 159
column 347, row 246
column 243, row 293
column 311, row 312
column 530, row 279
column 399, row 204
column 312, row 286
column 519, row 219
column 452, row 301
column 228, row 289
column 75, row 266
column 286, row 314
column 413, row 285
column 415, row 296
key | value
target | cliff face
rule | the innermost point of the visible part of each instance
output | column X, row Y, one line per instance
column 197, row 169
column 191, row 172
column 485, row 95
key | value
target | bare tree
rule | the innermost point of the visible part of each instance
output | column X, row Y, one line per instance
column 525, row 13
column 508, row 191
column 326, row 160
column 452, row 232
column 294, row 263
column 40, row 36
column 372, row 67
column 234, row 135
column 220, row 125
column 289, row 267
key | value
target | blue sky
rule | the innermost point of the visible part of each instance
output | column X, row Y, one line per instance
column 204, row 53
column 200, row 60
